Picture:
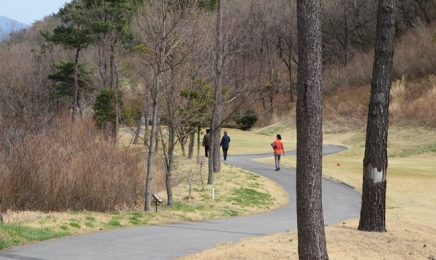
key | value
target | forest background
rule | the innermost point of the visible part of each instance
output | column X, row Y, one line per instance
column 47, row 157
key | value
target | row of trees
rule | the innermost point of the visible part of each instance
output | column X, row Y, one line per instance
column 104, row 43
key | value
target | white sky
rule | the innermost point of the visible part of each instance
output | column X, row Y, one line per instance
column 29, row 11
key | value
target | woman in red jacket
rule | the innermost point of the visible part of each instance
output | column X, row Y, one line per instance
column 279, row 149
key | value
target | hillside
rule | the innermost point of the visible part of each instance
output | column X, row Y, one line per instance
column 8, row 25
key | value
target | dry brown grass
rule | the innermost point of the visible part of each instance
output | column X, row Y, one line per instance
column 415, row 53
column 397, row 95
column 66, row 167
column 347, row 89
column 357, row 73
column 346, row 109
column 411, row 102
column 415, row 57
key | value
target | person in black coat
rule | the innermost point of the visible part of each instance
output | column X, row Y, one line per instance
column 225, row 144
column 206, row 142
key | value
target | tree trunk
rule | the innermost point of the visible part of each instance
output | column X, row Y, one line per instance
column 151, row 152
column 210, row 178
column 138, row 127
column 115, row 80
column 1, row 210
column 76, row 86
column 171, row 144
column 147, row 116
column 291, row 92
column 375, row 163
column 191, row 145
column 214, row 156
column 216, row 148
column 182, row 147
column 198, row 144
column 310, row 221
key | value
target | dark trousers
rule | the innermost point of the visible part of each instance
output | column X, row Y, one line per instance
column 206, row 151
column 277, row 160
column 225, row 153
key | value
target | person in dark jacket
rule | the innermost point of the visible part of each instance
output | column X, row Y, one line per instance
column 225, row 144
column 206, row 142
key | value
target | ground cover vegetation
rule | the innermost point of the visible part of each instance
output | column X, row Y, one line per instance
column 58, row 156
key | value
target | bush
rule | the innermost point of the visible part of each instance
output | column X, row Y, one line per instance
column 104, row 107
column 245, row 120
column 67, row 167
column 131, row 113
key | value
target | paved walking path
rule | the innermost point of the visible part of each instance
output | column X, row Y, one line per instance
column 340, row 202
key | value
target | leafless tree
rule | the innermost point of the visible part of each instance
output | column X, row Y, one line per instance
column 283, row 30
column 215, row 129
column 235, row 80
column 160, row 27
column 348, row 29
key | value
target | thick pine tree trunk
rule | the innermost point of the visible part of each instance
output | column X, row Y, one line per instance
column 375, row 163
column 310, row 220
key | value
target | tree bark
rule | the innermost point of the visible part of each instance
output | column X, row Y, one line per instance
column 191, row 145
column 115, row 80
column 214, row 156
column 375, row 162
column 310, row 221
column 169, row 162
column 139, row 127
column 151, row 152
column 76, row 86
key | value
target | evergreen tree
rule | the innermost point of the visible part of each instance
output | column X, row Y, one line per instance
column 73, row 34
column 105, row 106
column 110, row 20
column 63, row 79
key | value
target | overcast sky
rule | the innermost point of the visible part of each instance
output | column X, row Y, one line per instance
column 29, row 11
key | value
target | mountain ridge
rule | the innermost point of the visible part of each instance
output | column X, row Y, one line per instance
column 8, row 25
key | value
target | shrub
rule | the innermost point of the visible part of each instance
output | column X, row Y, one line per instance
column 245, row 120
column 68, row 167
column 104, row 107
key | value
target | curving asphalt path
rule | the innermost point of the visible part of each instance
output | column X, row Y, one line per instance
column 340, row 202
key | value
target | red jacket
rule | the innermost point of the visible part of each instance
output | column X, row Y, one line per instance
column 278, row 147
